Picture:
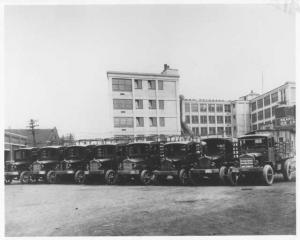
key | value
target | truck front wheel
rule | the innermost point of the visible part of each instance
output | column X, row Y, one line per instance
column 223, row 175
column 146, row 177
column 79, row 177
column 51, row 177
column 287, row 170
column 184, row 177
column 268, row 175
column 110, row 177
column 233, row 177
column 25, row 177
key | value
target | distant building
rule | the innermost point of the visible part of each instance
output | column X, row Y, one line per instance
column 144, row 103
column 12, row 142
column 262, row 108
column 43, row 137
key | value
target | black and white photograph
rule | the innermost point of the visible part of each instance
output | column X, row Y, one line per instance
column 149, row 119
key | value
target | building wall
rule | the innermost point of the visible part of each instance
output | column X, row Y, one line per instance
column 167, row 96
column 240, row 117
column 190, row 111
column 263, row 112
column 12, row 142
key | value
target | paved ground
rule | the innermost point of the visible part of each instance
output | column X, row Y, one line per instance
column 87, row 210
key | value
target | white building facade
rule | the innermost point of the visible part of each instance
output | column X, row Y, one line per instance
column 144, row 103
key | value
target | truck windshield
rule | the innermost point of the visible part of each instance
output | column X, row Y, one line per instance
column 252, row 145
column 175, row 150
column 138, row 150
column 105, row 151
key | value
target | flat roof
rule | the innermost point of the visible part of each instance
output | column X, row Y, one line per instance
column 142, row 74
column 256, row 135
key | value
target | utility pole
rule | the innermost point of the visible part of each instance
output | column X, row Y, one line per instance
column 32, row 125
column 262, row 82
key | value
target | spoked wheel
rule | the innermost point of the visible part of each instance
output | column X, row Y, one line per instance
column 184, row 177
column 8, row 180
column 110, row 177
column 25, row 177
column 51, row 177
column 268, row 175
column 287, row 170
column 223, row 175
column 79, row 177
column 146, row 177
column 233, row 177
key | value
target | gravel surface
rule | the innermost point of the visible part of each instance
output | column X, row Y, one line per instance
column 100, row 210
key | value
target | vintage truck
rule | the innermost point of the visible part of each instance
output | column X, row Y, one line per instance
column 73, row 164
column 261, row 157
column 49, row 158
column 106, row 158
column 23, row 158
column 219, row 155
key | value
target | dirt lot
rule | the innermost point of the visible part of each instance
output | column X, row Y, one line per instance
column 89, row 210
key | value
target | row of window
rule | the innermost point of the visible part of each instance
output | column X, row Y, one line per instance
column 267, row 100
column 204, row 131
column 127, row 122
column 125, row 85
column 194, row 107
column 211, row 119
column 261, row 125
column 128, row 104
column 263, row 114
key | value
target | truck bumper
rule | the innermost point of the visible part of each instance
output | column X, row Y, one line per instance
column 166, row 173
column 98, row 172
column 129, row 172
column 205, row 171
column 65, row 172
column 251, row 169
column 38, row 173
column 12, row 174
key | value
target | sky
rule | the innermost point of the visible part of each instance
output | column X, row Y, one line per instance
column 56, row 57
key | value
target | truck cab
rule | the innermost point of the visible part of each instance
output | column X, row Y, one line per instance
column 105, row 162
column 49, row 158
column 23, row 158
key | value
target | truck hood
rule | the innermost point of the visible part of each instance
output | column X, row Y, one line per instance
column 215, row 157
column 18, row 163
column 46, row 161
column 134, row 160
column 73, row 161
column 175, row 159
column 102, row 160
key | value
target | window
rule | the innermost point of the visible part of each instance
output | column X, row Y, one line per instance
column 122, row 104
column 212, row 119
column 195, row 131
column 254, row 117
column 140, row 122
column 138, row 104
column 283, row 99
column 268, row 113
column 227, row 108
column 219, row 107
column 187, row 107
column 254, row 127
column 220, row 130
column 152, row 104
column 123, row 122
column 233, row 106
column 260, row 126
column 260, row 115
column 228, row 131
column 234, row 117
column 153, row 121
column 259, row 103
column 274, row 97
column 273, row 110
column 162, row 121
column 220, row 119
column 227, row 119
column 161, row 104
column 204, row 131
column 160, row 85
column 267, row 100
column 119, row 84
column 151, row 84
column 212, row 131
column 137, row 84
column 195, row 119
column 203, row 119
column 211, row 107
column 194, row 107
column 253, row 106
column 187, row 119
column 203, row 107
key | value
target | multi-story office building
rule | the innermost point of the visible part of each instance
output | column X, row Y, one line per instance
column 208, row 117
column 145, row 103
column 262, row 108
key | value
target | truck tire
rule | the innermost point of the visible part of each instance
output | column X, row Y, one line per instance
column 8, row 180
column 79, row 177
column 223, row 175
column 25, row 177
column 268, row 175
column 110, row 177
column 51, row 177
column 146, row 177
column 287, row 170
column 232, row 177
column 183, row 177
